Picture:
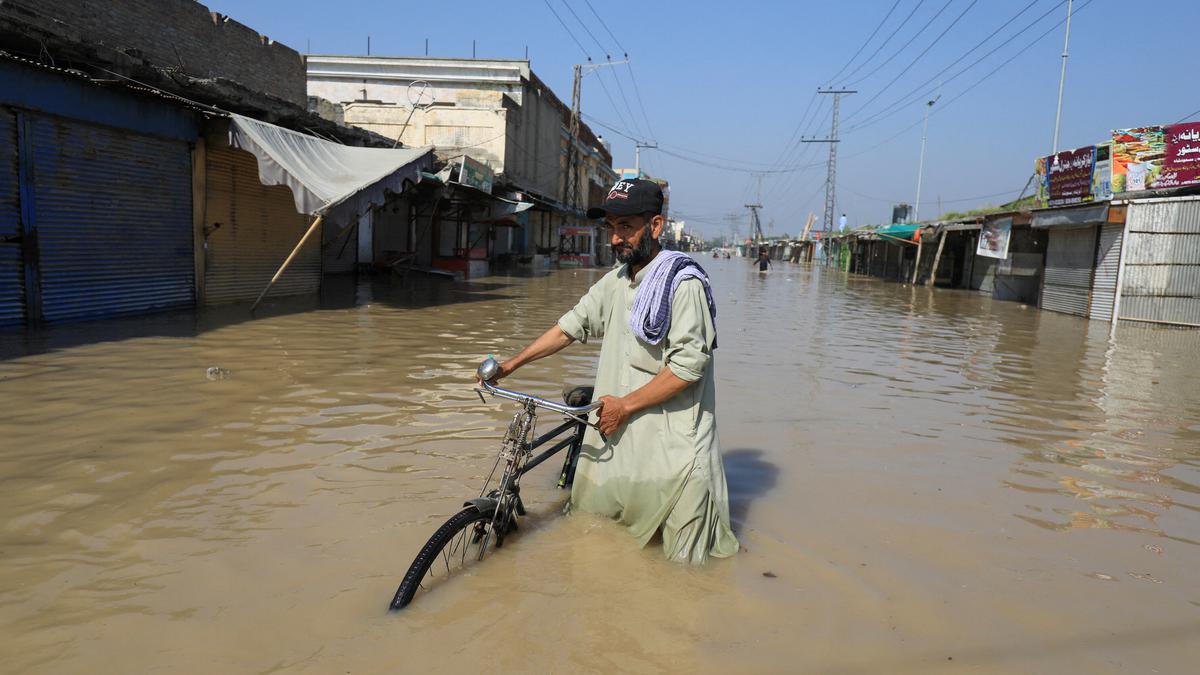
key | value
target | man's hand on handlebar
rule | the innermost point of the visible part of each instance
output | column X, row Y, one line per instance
column 504, row 371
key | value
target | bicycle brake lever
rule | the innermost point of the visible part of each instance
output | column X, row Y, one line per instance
column 590, row 424
column 480, row 393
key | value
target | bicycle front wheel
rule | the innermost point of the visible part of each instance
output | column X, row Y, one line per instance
column 459, row 543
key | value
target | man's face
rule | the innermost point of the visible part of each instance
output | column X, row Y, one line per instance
column 630, row 238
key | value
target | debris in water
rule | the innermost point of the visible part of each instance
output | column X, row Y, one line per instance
column 216, row 373
column 769, row 575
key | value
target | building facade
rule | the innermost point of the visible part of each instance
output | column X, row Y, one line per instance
column 494, row 111
column 119, row 192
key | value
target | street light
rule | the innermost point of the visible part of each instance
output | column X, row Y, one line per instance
column 921, row 164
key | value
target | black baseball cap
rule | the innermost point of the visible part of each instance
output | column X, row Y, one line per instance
column 629, row 197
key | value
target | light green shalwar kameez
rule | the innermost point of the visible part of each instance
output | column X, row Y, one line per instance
column 662, row 470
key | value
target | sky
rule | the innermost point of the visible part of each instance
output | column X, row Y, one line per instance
column 726, row 90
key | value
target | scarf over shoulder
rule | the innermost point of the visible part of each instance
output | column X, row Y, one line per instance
column 651, row 315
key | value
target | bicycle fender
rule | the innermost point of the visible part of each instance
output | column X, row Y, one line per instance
column 484, row 505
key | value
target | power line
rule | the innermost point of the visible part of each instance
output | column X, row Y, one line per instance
column 1011, row 58
column 564, row 25
column 946, row 201
column 1021, row 52
column 629, row 67
column 638, row 93
column 605, row 25
column 585, row 28
column 726, row 167
column 867, row 41
column 611, row 102
column 689, row 155
column 885, row 42
column 599, row 75
column 804, row 128
column 899, row 104
column 789, row 181
column 787, row 148
column 625, row 100
column 1187, row 117
column 918, row 57
column 911, row 40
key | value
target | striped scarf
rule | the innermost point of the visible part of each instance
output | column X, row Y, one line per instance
column 650, row 318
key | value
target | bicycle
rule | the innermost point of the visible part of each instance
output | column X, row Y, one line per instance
column 486, row 520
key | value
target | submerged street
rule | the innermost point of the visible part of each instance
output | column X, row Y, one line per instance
column 920, row 479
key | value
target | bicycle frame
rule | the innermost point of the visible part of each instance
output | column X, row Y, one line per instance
column 488, row 518
column 504, row 502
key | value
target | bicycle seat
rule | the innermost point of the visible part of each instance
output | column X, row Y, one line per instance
column 577, row 396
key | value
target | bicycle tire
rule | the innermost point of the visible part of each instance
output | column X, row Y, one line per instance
column 430, row 553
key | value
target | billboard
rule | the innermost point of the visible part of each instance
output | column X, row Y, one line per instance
column 1151, row 158
column 1075, row 176
column 994, row 238
column 476, row 174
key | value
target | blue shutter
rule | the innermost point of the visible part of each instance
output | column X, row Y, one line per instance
column 114, row 220
column 12, row 286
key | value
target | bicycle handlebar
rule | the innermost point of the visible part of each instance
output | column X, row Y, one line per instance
column 488, row 370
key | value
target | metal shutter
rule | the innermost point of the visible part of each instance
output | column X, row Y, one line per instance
column 1161, row 281
column 983, row 273
column 1070, row 254
column 1108, row 258
column 114, row 220
column 12, row 282
column 256, row 228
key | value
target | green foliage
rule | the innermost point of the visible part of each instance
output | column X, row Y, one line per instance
column 1025, row 203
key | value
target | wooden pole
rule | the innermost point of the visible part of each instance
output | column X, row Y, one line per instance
column 937, row 257
column 311, row 228
column 808, row 225
column 917, row 261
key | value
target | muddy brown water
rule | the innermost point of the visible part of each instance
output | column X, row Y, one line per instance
column 921, row 481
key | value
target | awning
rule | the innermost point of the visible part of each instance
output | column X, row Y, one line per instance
column 493, row 209
column 898, row 232
column 1076, row 216
column 326, row 178
column 497, row 209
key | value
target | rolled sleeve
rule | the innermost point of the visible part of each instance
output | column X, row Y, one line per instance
column 572, row 324
column 586, row 319
column 690, row 337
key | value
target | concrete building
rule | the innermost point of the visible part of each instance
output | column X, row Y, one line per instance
column 120, row 192
column 496, row 111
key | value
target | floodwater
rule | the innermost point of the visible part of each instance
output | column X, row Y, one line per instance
column 921, row 480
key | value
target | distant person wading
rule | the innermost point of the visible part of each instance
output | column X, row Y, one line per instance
column 764, row 261
column 660, row 468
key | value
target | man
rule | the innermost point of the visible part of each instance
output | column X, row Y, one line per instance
column 764, row 260
column 660, row 468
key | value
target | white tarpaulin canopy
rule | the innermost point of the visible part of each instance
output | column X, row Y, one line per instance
column 329, row 179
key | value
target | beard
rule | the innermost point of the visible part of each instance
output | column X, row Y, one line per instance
column 638, row 255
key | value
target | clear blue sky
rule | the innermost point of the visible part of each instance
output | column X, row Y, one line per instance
column 728, row 83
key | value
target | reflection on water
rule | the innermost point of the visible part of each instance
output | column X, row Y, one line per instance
column 922, row 474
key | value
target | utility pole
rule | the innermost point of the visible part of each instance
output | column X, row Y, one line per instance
column 571, row 181
column 921, row 163
column 1062, row 80
column 831, row 170
column 637, row 153
column 755, row 223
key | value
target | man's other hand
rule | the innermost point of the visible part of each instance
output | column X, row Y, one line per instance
column 614, row 413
